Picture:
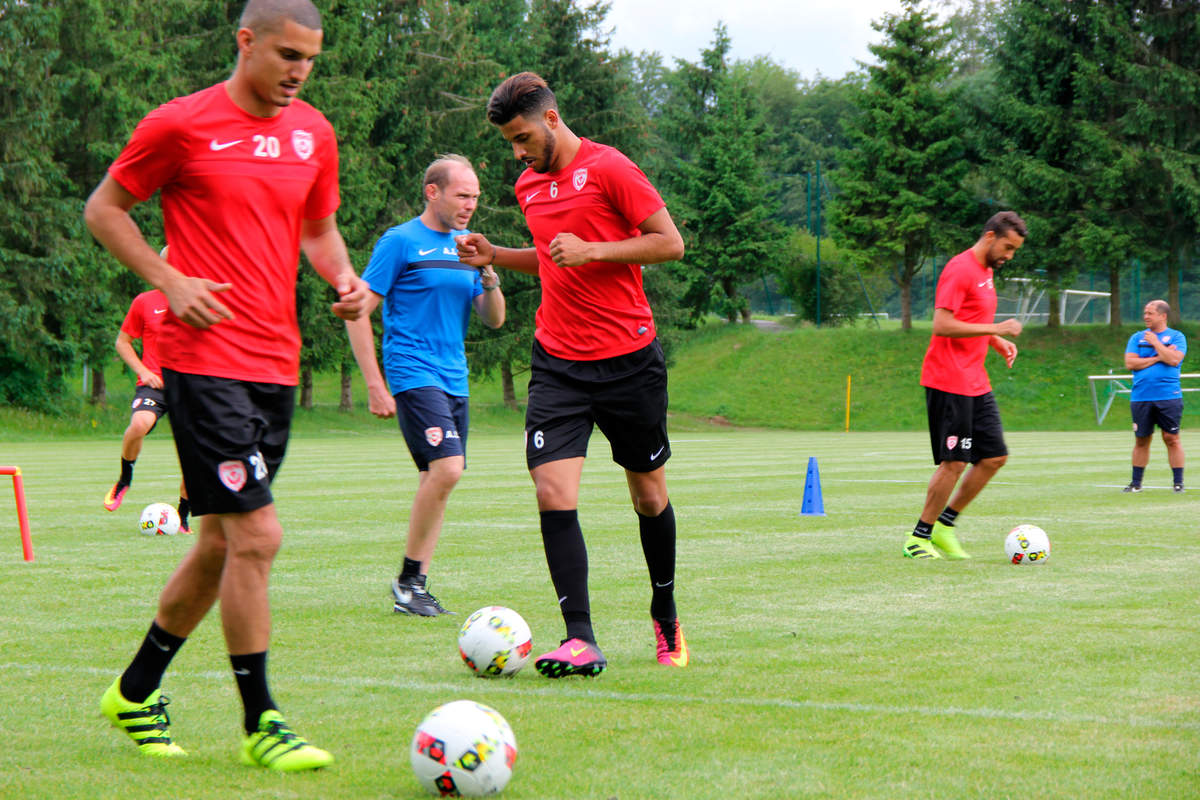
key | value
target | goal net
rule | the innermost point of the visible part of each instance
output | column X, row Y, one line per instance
column 1021, row 299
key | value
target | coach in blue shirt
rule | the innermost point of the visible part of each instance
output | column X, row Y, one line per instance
column 427, row 296
column 1154, row 356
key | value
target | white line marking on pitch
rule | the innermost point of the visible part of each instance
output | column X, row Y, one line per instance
column 508, row 687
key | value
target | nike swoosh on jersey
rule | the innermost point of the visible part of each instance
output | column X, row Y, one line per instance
column 425, row 252
column 216, row 146
column 529, row 197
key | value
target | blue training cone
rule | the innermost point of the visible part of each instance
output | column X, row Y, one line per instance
column 812, row 506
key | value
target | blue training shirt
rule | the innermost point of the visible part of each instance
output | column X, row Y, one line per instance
column 427, row 298
column 1157, row 381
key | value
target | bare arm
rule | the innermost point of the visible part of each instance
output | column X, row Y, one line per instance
column 946, row 324
column 476, row 250
column 124, row 345
column 1168, row 354
column 362, row 343
column 490, row 305
column 193, row 300
column 660, row 241
column 326, row 250
column 1135, row 362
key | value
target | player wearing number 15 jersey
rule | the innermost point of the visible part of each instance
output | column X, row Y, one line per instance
column 964, row 422
column 595, row 220
column 248, row 177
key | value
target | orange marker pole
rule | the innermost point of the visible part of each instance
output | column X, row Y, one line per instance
column 22, row 514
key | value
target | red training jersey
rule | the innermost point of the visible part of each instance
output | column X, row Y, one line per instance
column 955, row 364
column 144, row 321
column 235, row 191
column 597, row 310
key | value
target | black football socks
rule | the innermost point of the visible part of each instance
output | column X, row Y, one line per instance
column 566, row 555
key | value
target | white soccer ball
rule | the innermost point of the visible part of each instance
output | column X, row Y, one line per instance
column 463, row 749
column 495, row 641
column 159, row 519
column 1027, row 544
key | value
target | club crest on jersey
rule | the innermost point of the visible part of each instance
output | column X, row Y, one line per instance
column 433, row 436
column 579, row 179
column 951, row 441
column 137, row 401
column 232, row 474
column 302, row 143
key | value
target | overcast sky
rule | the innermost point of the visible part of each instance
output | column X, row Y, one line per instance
column 808, row 36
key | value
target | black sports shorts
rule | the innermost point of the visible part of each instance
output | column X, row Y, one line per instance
column 1166, row 414
column 147, row 398
column 434, row 424
column 964, row 428
column 231, row 436
column 626, row 396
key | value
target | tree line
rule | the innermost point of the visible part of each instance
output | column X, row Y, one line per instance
column 1079, row 114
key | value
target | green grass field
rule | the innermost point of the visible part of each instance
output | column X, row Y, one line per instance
column 824, row 665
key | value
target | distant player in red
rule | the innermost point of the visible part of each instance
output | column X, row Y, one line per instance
column 144, row 322
column 595, row 220
column 248, row 177
column 964, row 422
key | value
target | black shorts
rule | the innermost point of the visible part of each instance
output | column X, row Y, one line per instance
column 964, row 428
column 626, row 396
column 1166, row 414
column 147, row 398
column 434, row 424
column 231, row 436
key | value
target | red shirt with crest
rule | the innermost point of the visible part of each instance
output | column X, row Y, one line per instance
column 955, row 364
column 597, row 310
column 235, row 190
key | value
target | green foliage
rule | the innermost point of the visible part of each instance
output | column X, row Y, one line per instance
column 843, row 290
column 901, row 192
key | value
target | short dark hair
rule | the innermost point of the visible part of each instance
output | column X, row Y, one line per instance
column 263, row 16
column 438, row 173
column 1005, row 221
column 525, row 93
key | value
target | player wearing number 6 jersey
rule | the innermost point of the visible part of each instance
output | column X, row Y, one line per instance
column 595, row 220
column 248, row 177
column 964, row 422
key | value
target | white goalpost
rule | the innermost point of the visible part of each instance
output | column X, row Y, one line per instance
column 1022, row 300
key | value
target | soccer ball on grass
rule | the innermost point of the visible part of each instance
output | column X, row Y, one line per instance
column 495, row 641
column 1027, row 544
column 159, row 519
column 463, row 749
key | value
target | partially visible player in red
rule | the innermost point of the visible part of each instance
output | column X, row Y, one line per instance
column 595, row 220
column 143, row 322
column 248, row 177
column 964, row 421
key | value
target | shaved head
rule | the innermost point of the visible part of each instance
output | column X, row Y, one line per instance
column 268, row 16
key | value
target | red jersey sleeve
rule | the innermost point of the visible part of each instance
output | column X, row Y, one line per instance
column 629, row 190
column 324, row 197
column 135, row 320
column 153, row 155
column 952, row 290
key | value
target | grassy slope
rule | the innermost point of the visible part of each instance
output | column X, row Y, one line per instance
column 747, row 377
column 797, row 379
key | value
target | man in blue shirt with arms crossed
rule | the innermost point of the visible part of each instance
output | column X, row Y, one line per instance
column 427, row 296
column 1154, row 356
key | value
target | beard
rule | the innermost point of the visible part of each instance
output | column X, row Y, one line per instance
column 543, row 165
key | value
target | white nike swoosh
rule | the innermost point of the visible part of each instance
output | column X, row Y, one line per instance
column 985, row 283
column 241, row 671
column 217, row 146
column 658, row 452
column 663, row 585
column 529, row 197
column 160, row 311
column 426, row 252
column 157, row 644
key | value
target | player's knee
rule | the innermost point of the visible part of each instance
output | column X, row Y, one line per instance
column 994, row 463
column 650, row 503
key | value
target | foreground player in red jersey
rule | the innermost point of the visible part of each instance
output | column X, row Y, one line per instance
column 964, row 422
column 249, row 176
column 595, row 220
